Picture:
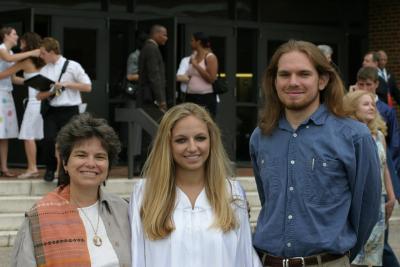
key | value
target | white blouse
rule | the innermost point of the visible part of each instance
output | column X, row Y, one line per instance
column 193, row 243
column 104, row 255
column 5, row 84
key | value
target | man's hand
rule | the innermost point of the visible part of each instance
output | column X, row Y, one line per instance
column 389, row 205
column 163, row 106
column 59, row 87
column 353, row 88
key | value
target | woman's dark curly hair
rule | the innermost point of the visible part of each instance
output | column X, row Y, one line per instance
column 203, row 38
column 83, row 127
column 32, row 41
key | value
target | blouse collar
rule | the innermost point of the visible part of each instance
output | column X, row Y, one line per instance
column 183, row 201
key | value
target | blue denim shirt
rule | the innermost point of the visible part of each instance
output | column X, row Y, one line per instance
column 319, row 186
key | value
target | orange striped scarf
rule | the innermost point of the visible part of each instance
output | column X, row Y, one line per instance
column 58, row 233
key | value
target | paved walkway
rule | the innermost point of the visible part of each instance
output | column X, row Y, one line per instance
column 5, row 256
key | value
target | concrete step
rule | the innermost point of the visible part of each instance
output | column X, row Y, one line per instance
column 253, row 199
column 254, row 212
column 117, row 186
column 7, row 238
column 11, row 221
column 17, row 204
column 20, row 204
column 18, row 196
column 248, row 183
column 40, row 188
column 396, row 211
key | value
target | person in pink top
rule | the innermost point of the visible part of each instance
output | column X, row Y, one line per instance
column 202, row 71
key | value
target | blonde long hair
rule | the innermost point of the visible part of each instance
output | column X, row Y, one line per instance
column 351, row 102
column 160, row 189
column 331, row 96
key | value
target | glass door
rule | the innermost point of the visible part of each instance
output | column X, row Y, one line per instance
column 247, row 83
column 223, row 46
column 85, row 40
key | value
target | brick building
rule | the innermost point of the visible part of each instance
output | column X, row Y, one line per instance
column 384, row 33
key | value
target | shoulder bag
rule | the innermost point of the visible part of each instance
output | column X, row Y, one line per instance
column 220, row 85
column 45, row 103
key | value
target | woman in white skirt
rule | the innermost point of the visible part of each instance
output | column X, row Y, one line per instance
column 8, row 117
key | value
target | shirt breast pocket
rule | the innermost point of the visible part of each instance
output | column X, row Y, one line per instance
column 270, row 173
column 326, row 181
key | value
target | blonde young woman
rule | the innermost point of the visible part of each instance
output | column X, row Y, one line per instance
column 361, row 106
column 186, row 212
column 8, row 116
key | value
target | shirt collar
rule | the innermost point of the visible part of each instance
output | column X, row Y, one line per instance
column 104, row 200
column 183, row 202
column 59, row 61
column 152, row 41
column 318, row 118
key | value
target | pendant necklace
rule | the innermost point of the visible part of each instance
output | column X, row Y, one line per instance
column 97, row 241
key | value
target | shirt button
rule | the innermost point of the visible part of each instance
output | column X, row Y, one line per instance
column 324, row 164
column 307, row 126
column 295, row 135
column 292, row 162
column 262, row 161
column 289, row 244
column 290, row 217
column 291, row 188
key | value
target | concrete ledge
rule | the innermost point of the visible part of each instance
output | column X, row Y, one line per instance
column 248, row 183
column 120, row 186
column 11, row 221
column 40, row 187
column 10, row 188
column 253, row 199
column 7, row 238
column 254, row 212
column 116, row 185
column 17, row 204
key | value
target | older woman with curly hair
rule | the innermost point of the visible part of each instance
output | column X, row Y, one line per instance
column 78, row 224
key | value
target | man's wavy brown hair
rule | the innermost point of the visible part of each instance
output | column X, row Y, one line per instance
column 331, row 96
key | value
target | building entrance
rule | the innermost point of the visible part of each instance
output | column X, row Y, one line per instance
column 87, row 43
column 223, row 46
column 101, row 42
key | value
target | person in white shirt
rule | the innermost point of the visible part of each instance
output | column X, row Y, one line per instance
column 187, row 212
column 32, row 122
column 8, row 115
column 182, row 77
column 64, row 97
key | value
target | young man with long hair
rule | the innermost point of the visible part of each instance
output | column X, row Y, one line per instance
column 317, row 172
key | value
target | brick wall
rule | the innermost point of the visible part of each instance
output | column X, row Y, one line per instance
column 384, row 31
